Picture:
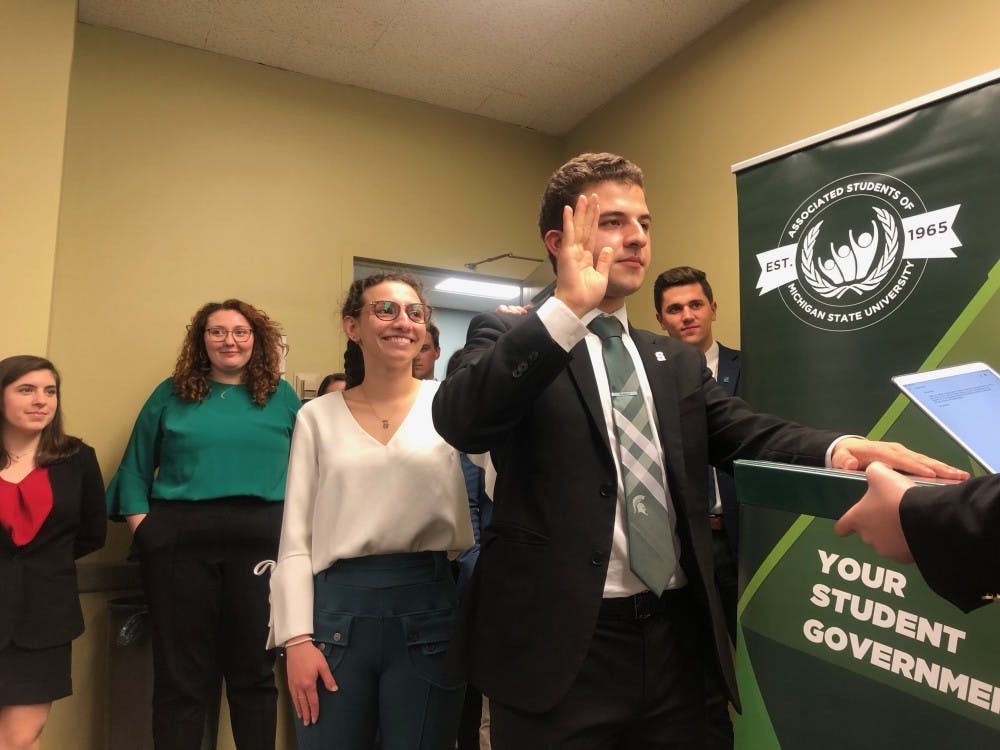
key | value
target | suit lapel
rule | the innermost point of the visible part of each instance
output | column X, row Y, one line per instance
column 582, row 372
column 728, row 369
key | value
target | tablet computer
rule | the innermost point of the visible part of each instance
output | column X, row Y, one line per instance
column 965, row 401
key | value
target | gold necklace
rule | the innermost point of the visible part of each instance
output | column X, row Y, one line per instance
column 385, row 422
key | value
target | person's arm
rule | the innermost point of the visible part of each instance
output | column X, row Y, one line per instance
column 951, row 531
column 466, row 560
column 93, row 521
column 292, row 579
column 483, row 399
column 735, row 430
column 128, row 492
column 506, row 365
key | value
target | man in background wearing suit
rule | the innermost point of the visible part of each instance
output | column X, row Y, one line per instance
column 593, row 613
column 686, row 308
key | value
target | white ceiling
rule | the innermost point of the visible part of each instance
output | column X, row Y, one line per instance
column 540, row 64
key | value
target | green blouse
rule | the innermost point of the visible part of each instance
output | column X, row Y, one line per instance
column 224, row 446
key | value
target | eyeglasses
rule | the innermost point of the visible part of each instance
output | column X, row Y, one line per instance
column 215, row 333
column 386, row 309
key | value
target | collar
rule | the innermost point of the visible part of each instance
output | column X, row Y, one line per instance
column 620, row 313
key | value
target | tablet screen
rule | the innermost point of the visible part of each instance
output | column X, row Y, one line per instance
column 965, row 401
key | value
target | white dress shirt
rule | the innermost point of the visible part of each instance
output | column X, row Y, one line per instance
column 567, row 330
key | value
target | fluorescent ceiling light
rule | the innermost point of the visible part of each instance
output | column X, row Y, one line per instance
column 475, row 288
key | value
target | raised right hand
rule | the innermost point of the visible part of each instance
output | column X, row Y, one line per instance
column 581, row 270
column 306, row 666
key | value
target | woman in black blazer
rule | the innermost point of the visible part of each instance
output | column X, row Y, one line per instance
column 51, row 512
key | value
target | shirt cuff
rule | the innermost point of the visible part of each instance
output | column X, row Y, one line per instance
column 828, row 461
column 291, row 599
column 563, row 326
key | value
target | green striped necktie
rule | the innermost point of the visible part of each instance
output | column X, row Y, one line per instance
column 650, row 539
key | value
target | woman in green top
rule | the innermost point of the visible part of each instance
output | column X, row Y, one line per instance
column 201, row 485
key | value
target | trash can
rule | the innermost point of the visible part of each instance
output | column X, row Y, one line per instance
column 130, row 679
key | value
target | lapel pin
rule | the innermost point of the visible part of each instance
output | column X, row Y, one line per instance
column 661, row 357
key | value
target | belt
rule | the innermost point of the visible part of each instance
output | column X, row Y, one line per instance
column 715, row 521
column 637, row 607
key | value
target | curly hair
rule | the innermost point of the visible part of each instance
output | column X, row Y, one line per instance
column 54, row 445
column 354, row 362
column 262, row 371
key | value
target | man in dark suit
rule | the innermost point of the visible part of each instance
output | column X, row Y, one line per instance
column 686, row 309
column 952, row 531
column 584, row 628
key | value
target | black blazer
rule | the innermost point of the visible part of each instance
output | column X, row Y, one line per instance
column 532, row 607
column 728, row 378
column 954, row 534
column 40, row 602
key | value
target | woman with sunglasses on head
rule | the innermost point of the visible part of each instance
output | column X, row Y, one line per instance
column 51, row 512
column 201, row 485
column 362, row 595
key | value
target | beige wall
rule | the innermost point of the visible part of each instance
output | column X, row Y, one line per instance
column 777, row 72
column 36, row 46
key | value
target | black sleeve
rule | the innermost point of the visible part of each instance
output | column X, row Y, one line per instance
column 954, row 534
column 93, row 521
column 506, row 364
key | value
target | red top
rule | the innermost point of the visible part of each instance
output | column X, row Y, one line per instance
column 25, row 506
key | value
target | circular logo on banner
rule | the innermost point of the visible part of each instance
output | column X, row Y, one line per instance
column 850, row 269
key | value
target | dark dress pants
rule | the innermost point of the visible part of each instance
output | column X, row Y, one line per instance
column 384, row 623
column 720, row 725
column 209, row 616
column 641, row 686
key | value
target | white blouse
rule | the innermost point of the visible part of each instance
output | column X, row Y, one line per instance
column 350, row 496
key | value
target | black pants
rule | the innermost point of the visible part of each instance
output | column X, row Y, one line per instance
column 720, row 726
column 641, row 687
column 209, row 616
column 472, row 719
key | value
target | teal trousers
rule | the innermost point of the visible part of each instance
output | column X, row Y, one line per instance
column 384, row 622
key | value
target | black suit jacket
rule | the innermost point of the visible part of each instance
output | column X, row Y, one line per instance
column 728, row 378
column 532, row 606
column 954, row 535
column 40, row 602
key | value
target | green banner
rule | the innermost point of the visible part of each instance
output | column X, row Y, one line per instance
column 869, row 255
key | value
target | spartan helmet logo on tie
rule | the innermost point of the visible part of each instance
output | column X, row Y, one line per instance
column 639, row 505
